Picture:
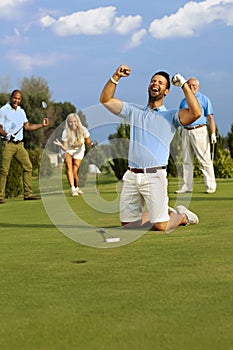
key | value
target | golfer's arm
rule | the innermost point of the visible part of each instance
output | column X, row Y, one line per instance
column 32, row 127
column 193, row 112
column 211, row 122
column 107, row 98
column 2, row 132
column 64, row 146
column 88, row 142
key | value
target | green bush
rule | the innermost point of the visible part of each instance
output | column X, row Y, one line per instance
column 45, row 166
column 223, row 165
column 83, row 171
column 196, row 168
column 14, row 184
column 35, row 157
column 40, row 162
column 14, row 180
column 119, row 150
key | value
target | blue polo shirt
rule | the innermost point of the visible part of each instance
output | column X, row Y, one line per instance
column 151, row 132
column 206, row 107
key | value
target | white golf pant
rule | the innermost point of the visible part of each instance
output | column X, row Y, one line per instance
column 196, row 141
column 141, row 189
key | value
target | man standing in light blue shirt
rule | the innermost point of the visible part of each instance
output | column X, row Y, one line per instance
column 13, row 120
column 151, row 131
column 195, row 140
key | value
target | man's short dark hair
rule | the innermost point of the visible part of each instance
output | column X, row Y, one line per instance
column 14, row 91
column 165, row 75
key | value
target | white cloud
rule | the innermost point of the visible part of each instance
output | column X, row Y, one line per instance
column 189, row 20
column 91, row 22
column 97, row 21
column 125, row 25
column 8, row 7
column 47, row 21
column 136, row 38
column 26, row 62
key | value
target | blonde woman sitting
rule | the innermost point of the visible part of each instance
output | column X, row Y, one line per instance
column 74, row 138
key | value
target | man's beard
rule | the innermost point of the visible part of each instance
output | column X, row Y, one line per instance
column 155, row 98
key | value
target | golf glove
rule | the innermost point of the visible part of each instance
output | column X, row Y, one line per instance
column 8, row 136
column 178, row 80
column 213, row 138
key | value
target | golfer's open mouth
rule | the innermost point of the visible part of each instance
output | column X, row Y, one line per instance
column 154, row 89
column 154, row 92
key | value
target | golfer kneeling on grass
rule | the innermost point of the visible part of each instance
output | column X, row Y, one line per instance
column 152, row 129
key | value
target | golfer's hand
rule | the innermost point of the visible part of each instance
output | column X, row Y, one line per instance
column 9, row 136
column 178, row 80
column 58, row 143
column 45, row 122
column 213, row 138
column 122, row 71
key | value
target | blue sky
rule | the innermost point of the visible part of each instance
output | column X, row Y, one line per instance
column 77, row 45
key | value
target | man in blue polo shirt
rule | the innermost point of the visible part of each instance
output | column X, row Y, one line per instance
column 195, row 140
column 151, row 131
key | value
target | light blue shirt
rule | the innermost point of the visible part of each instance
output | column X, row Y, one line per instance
column 151, row 132
column 12, row 120
column 206, row 107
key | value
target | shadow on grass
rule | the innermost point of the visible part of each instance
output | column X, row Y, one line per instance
column 7, row 224
column 208, row 198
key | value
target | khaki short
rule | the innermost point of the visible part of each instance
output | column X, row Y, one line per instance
column 144, row 190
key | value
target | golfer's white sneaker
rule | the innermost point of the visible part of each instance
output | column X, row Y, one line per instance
column 192, row 218
column 78, row 190
column 210, row 190
column 74, row 193
column 182, row 190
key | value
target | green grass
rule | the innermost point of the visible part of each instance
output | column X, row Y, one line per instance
column 163, row 291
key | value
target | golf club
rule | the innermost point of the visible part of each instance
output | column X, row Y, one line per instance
column 212, row 153
column 111, row 239
column 96, row 172
column 43, row 106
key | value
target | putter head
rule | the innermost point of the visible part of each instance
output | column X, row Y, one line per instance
column 112, row 240
column 43, row 104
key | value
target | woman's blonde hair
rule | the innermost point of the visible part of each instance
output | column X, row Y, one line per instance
column 79, row 133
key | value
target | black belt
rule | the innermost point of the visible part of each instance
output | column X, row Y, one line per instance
column 194, row 127
column 146, row 170
column 12, row 140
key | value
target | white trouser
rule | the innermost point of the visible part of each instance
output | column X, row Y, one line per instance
column 196, row 141
column 140, row 189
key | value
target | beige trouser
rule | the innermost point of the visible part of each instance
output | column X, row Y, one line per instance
column 16, row 150
column 196, row 141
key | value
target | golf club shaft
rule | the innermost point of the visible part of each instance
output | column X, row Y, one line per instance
column 212, row 154
column 96, row 174
column 22, row 126
column 44, row 105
